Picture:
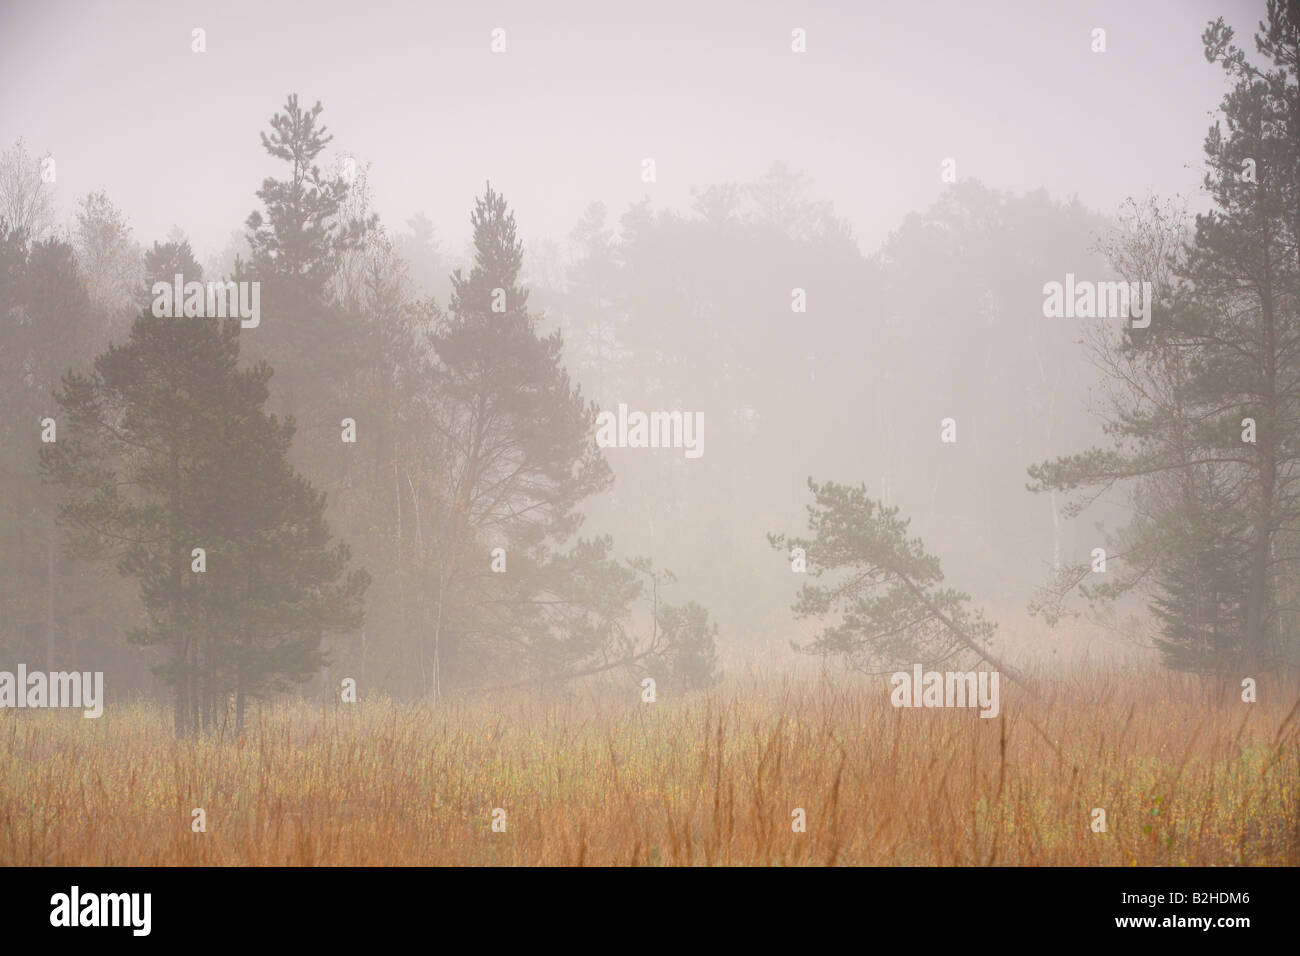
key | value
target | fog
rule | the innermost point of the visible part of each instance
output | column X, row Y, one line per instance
column 825, row 253
column 585, row 91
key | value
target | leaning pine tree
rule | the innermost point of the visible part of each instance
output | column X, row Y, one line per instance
column 894, row 610
column 164, row 449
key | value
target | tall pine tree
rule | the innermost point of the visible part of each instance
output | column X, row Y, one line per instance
column 517, row 455
column 1230, row 322
column 164, row 448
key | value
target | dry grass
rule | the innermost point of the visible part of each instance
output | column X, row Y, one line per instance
column 1187, row 775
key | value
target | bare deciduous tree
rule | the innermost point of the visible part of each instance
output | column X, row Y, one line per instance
column 26, row 200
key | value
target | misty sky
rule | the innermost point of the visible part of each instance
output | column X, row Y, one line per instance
column 586, row 90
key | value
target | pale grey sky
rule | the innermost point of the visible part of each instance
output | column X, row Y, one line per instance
column 586, row 90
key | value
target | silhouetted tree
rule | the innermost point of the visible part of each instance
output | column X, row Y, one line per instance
column 1230, row 321
column 517, row 454
column 890, row 592
column 164, row 448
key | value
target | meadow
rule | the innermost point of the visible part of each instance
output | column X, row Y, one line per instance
column 1186, row 773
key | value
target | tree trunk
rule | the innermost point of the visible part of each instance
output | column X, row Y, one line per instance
column 1259, row 598
column 49, row 596
column 241, row 679
column 181, row 699
column 192, row 678
column 966, row 639
column 1257, row 601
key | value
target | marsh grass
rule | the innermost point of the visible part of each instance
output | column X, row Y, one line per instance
column 1186, row 772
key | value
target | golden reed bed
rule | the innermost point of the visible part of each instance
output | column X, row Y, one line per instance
column 1186, row 773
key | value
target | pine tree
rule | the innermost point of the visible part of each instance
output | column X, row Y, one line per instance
column 301, row 238
column 689, row 658
column 888, row 589
column 1200, row 589
column 297, row 248
column 593, row 313
column 517, row 456
column 165, row 448
column 166, row 260
column 52, row 608
column 1228, row 326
